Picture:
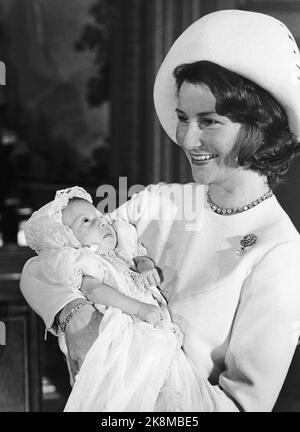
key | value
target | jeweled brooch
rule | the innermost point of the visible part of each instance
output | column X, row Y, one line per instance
column 246, row 242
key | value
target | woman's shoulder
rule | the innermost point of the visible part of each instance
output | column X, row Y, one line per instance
column 276, row 232
column 175, row 190
column 279, row 225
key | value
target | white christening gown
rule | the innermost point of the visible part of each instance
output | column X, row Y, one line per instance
column 132, row 366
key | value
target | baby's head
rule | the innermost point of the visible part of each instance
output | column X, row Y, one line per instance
column 69, row 220
column 88, row 226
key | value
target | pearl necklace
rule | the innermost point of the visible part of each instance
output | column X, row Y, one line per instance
column 235, row 210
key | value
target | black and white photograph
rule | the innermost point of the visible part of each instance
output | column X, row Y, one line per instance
column 149, row 209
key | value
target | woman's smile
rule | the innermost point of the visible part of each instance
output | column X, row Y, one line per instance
column 199, row 159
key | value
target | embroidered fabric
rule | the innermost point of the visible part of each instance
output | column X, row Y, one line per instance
column 115, row 254
column 141, row 250
column 135, row 281
column 45, row 230
column 174, row 400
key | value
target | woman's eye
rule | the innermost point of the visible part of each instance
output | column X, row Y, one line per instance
column 182, row 118
column 206, row 122
column 85, row 220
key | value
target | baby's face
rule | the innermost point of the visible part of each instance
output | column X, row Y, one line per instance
column 88, row 226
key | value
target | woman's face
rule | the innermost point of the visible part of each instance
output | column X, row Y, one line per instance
column 206, row 137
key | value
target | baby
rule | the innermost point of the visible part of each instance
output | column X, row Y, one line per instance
column 136, row 363
column 92, row 230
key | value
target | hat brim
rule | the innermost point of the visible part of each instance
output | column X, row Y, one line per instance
column 254, row 45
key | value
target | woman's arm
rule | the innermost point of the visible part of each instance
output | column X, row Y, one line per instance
column 266, row 330
column 263, row 338
column 53, row 302
column 44, row 296
column 80, row 332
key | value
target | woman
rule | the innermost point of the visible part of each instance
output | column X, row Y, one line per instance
column 228, row 94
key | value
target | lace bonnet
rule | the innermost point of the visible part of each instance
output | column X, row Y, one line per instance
column 45, row 230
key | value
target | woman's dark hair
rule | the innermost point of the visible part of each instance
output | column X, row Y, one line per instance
column 264, row 143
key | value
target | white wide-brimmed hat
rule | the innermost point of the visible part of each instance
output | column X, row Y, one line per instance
column 254, row 45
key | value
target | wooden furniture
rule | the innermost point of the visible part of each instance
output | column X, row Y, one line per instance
column 20, row 378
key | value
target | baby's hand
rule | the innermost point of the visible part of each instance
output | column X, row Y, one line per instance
column 149, row 313
column 146, row 268
column 151, row 277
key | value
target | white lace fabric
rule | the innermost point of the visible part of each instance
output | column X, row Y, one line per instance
column 45, row 230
